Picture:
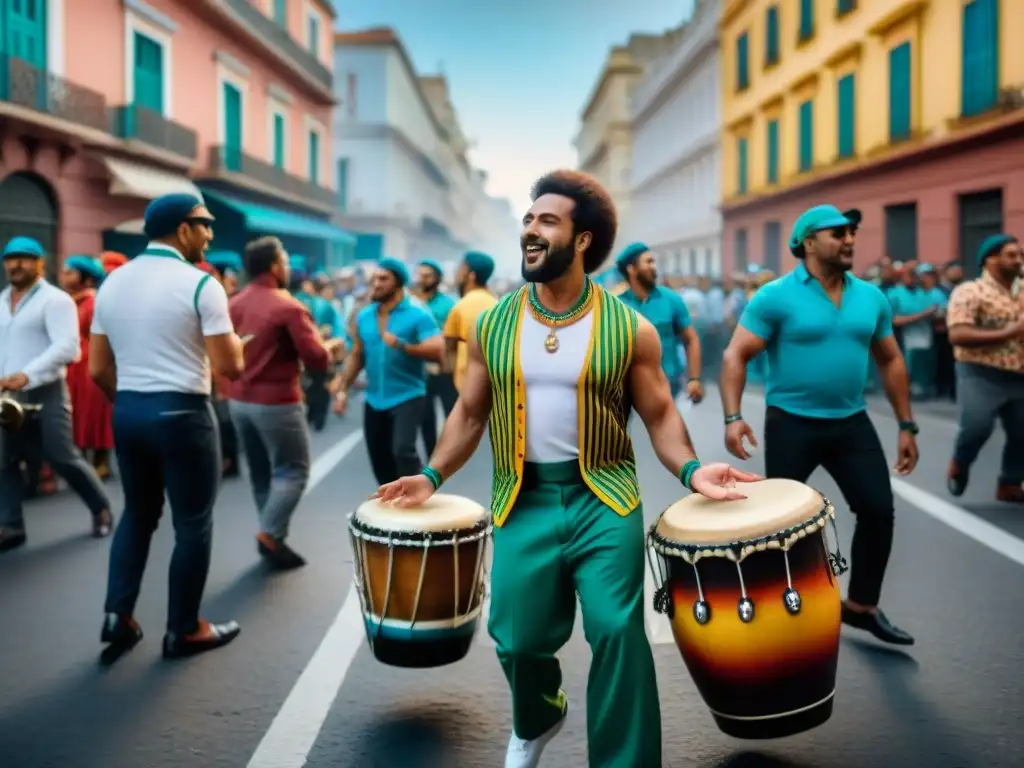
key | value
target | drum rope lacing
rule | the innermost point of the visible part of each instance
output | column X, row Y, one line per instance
column 737, row 552
column 361, row 535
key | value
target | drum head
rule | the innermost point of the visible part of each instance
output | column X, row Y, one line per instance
column 441, row 512
column 771, row 507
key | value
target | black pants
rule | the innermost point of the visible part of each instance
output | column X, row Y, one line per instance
column 165, row 441
column 391, row 439
column 228, row 438
column 318, row 399
column 850, row 451
column 440, row 386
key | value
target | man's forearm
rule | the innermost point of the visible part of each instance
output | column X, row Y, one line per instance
column 734, row 380
column 425, row 351
column 897, row 387
column 671, row 440
column 349, row 371
column 694, row 364
column 107, row 382
column 459, row 440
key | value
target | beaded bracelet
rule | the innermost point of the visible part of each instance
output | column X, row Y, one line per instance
column 434, row 476
column 686, row 473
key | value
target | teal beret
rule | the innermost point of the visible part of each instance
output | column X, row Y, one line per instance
column 481, row 265
column 992, row 245
column 396, row 268
column 87, row 265
column 629, row 255
column 813, row 220
column 24, row 246
column 164, row 214
column 430, row 263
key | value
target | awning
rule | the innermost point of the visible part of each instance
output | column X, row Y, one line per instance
column 271, row 221
column 145, row 181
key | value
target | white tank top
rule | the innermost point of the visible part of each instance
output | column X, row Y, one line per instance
column 552, row 431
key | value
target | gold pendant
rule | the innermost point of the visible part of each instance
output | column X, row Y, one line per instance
column 551, row 342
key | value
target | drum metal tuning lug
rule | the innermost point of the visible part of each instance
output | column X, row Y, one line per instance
column 701, row 611
column 746, row 610
column 791, row 599
column 838, row 563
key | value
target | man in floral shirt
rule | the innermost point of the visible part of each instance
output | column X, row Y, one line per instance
column 986, row 328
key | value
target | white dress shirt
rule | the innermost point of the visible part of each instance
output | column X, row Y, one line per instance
column 40, row 337
column 155, row 311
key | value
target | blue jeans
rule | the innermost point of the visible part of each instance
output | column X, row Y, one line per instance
column 165, row 441
column 276, row 444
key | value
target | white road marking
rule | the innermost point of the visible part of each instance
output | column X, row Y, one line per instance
column 296, row 726
column 970, row 525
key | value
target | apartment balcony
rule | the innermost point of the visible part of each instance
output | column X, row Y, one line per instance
column 235, row 166
column 267, row 33
column 145, row 126
column 27, row 86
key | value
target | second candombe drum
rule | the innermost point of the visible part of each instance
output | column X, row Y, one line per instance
column 751, row 591
column 419, row 574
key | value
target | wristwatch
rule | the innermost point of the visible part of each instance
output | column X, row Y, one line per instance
column 909, row 426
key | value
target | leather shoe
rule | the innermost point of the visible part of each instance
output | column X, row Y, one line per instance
column 878, row 625
column 209, row 637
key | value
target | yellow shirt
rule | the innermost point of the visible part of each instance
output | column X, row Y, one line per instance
column 460, row 323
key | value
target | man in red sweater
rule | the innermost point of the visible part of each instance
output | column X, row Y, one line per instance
column 266, row 402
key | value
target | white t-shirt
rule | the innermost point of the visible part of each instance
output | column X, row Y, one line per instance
column 155, row 311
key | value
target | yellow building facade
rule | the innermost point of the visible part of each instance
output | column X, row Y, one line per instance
column 901, row 108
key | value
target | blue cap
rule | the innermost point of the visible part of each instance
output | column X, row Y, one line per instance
column 431, row 264
column 629, row 255
column 24, row 246
column 164, row 214
column 815, row 220
column 396, row 268
column 990, row 246
column 87, row 265
column 481, row 265
column 924, row 269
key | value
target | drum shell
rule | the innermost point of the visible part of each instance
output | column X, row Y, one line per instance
column 432, row 631
column 775, row 675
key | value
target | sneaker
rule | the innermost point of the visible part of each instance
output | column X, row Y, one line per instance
column 526, row 754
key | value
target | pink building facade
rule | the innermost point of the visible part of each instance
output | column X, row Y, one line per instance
column 106, row 104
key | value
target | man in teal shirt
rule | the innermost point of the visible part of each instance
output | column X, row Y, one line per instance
column 440, row 386
column 393, row 339
column 667, row 312
column 820, row 326
column 327, row 318
column 916, row 303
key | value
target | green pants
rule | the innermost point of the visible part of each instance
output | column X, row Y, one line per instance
column 560, row 540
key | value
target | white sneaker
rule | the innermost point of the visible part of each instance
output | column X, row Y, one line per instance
column 526, row 754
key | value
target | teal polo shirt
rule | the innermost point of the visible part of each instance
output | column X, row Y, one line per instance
column 909, row 301
column 819, row 355
column 392, row 376
column 667, row 312
column 440, row 306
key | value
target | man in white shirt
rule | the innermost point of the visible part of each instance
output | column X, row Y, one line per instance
column 159, row 325
column 38, row 338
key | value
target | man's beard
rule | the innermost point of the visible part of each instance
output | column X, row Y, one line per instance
column 384, row 296
column 647, row 283
column 555, row 264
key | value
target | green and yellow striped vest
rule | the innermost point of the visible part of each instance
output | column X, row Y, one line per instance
column 607, row 462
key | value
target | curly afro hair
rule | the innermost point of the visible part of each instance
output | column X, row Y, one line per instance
column 594, row 211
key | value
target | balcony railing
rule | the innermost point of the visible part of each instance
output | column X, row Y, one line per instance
column 272, row 32
column 230, row 160
column 26, row 85
column 131, row 121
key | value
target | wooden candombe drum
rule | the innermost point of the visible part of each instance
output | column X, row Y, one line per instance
column 751, row 591
column 419, row 573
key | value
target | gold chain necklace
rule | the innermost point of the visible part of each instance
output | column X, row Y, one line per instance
column 554, row 320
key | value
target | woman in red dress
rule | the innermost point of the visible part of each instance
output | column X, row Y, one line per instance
column 90, row 408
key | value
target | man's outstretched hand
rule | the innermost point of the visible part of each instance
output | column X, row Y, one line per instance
column 405, row 492
column 718, row 481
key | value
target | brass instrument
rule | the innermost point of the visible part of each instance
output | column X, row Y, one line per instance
column 12, row 412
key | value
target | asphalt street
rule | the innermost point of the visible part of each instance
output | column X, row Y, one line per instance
column 300, row 687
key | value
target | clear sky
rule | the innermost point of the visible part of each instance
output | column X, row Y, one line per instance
column 520, row 71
